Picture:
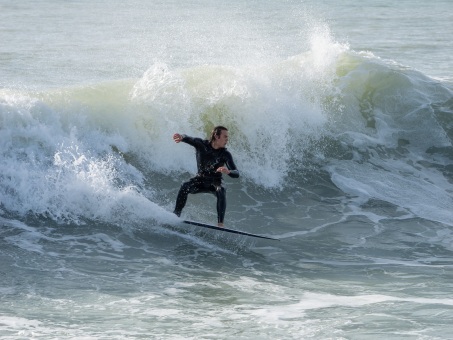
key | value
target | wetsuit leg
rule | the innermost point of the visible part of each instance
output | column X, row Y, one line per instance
column 190, row 187
column 195, row 186
column 221, row 203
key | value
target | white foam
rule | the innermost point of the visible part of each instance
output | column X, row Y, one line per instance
column 425, row 192
column 314, row 301
column 18, row 322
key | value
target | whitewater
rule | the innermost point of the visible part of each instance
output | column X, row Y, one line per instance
column 340, row 122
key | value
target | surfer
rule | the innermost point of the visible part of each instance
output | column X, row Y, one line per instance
column 213, row 160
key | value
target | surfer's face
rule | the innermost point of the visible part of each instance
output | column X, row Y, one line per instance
column 222, row 140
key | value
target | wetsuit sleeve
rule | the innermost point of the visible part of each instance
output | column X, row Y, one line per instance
column 195, row 142
column 234, row 172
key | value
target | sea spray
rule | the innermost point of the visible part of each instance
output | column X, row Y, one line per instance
column 271, row 110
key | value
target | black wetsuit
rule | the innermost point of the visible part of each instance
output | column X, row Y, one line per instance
column 207, row 180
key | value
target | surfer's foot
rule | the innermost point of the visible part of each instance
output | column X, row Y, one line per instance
column 177, row 213
column 220, row 225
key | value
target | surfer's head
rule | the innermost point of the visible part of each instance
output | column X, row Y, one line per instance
column 219, row 137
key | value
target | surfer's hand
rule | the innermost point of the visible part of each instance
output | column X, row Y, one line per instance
column 223, row 170
column 177, row 137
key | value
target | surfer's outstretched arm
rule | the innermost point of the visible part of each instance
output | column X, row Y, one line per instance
column 195, row 142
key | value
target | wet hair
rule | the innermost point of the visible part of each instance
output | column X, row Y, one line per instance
column 217, row 131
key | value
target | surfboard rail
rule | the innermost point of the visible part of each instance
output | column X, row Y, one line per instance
column 229, row 230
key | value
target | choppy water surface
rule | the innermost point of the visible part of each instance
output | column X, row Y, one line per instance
column 341, row 126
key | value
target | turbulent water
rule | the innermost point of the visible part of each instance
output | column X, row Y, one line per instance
column 340, row 117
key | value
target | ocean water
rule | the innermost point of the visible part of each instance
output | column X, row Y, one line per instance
column 341, row 123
